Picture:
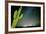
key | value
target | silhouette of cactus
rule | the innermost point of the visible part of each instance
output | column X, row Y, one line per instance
column 17, row 16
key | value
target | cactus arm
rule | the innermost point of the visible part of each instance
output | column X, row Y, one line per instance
column 21, row 16
column 19, row 11
column 15, row 14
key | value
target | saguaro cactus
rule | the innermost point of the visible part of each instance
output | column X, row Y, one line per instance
column 17, row 17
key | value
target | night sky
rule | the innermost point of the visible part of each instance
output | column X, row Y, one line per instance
column 31, row 16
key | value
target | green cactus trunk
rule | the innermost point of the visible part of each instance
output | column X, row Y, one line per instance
column 17, row 17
